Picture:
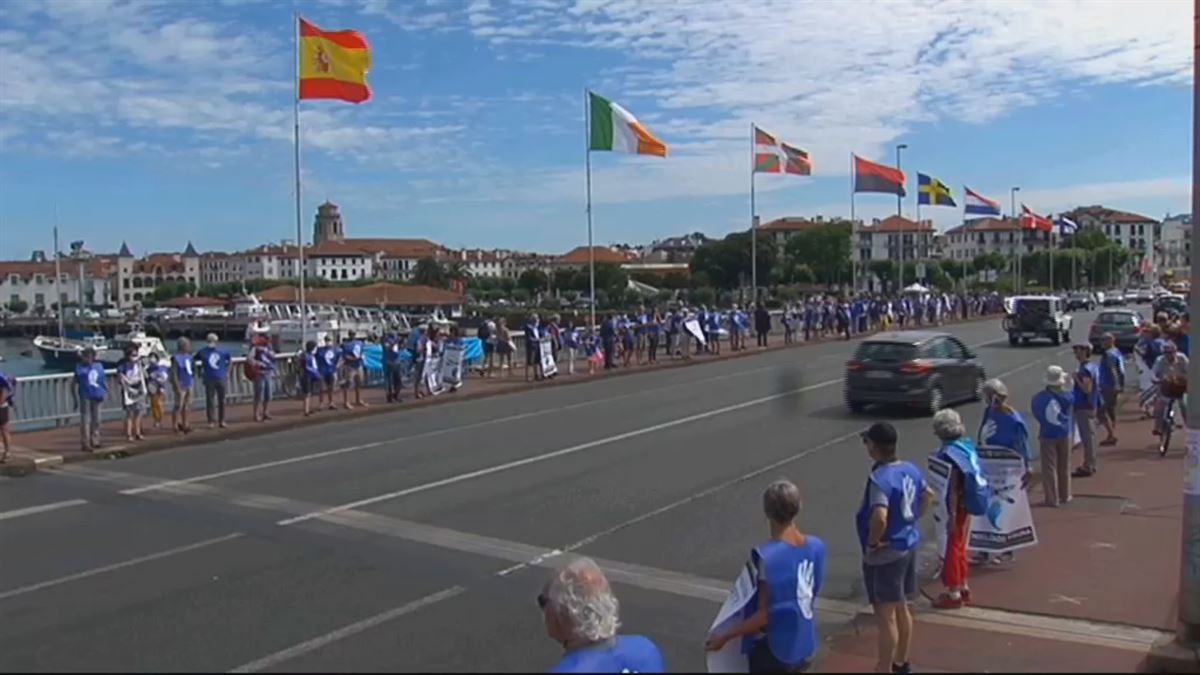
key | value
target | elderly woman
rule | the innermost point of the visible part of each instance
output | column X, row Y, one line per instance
column 582, row 614
column 965, row 486
column 779, row 631
column 1002, row 426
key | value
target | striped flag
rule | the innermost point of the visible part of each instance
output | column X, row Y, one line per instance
column 616, row 129
column 1066, row 225
column 1032, row 221
column 334, row 64
column 773, row 156
column 872, row 177
column 978, row 205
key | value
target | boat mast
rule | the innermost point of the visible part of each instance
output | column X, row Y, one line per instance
column 58, row 280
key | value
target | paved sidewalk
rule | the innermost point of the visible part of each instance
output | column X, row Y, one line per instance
column 1107, row 563
column 59, row 445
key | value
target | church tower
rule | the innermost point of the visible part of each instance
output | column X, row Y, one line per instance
column 328, row 225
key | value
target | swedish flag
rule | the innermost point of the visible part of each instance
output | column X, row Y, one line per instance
column 933, row 191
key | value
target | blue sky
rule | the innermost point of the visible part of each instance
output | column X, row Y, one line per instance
column 163, row 122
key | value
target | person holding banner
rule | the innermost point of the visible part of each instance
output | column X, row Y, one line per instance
column 966, row 494
column 777, row 628
column 895, row 498
column 581, row 613
column 1003, row 427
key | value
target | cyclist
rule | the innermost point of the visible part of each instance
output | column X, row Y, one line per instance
column 1170, row 375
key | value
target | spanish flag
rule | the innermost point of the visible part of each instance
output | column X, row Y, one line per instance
column 334, row 64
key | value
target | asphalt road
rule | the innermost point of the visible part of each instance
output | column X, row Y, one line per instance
column 418, row 540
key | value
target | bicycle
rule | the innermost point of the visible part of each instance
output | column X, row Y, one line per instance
column 1166, row 426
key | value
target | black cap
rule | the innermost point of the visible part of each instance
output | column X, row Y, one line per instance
column 882, row 433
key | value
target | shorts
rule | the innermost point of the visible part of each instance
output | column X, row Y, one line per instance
column 4, row 415
column 136, row 408
column 309, row 385
column 354, row 375
column 329, row 379
column 1108, row 406
column 182, row 399
column 891, row 582
column 488, row 347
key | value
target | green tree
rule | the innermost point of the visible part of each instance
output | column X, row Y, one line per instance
column 824, row 249
column 18, row 306
column 429, row 272
column 455, row 270
column 1106, row 264
column 1089, row 239
column 173, row 289
column 533, row 281
column 726, row 263
column 611, row 278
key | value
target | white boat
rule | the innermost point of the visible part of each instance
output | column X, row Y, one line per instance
column 288, row 335
column 64, row 353
column 145, row 345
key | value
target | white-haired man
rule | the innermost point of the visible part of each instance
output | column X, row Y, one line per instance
column 582, row 614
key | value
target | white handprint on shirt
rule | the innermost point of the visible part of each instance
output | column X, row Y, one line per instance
column 804, row 588
column 910, row 497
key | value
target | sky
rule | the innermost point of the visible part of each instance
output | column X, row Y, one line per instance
column 163, row 122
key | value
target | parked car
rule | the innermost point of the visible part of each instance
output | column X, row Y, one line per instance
column 1037, row 316
column 1124, row 324
column 1113, row 298
column 1170, row 304
column 1144, row 295
column 923, row 369
column 1084, row 301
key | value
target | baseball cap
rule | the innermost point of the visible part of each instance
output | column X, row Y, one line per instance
column 880, row 432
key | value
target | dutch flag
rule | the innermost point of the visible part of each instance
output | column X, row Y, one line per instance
column 977, row 204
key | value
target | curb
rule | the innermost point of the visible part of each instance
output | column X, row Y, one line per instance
column 249, row 430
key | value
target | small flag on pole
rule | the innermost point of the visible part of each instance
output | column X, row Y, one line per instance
column 1032, row 221
column 978, row 205
column 1066, row 226
column 773, row 156
column 933, row 192
column 334, row 64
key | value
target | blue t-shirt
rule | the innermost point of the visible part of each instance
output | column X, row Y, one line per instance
column 1082, row 399
column 215, row 362
column 1112, row 370
column 312, row 368
column 352, row 351
column 184, row 369
column 1052, row 410
column 622, row 654
column 328, row 357
column 91, row 381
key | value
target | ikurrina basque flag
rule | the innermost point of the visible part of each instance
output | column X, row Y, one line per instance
column 872, row 177
column 772, row 156
column 334, row 64
column 616, row 129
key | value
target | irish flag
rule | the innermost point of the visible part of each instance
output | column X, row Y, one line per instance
column 615, row 129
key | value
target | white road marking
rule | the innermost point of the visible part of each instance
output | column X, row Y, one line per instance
column 346, row 631
column 115, row 566
column 41, row 508
column 167, row 484
column 608, row 440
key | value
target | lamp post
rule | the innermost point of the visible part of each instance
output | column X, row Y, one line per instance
column 899, row 208
column 1012, row 210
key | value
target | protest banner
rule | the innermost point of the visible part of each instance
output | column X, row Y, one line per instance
column 453, row 356
column 692, row 326
column 939, row 480
column 433, row 374
column 549, row 367
column 730, row 659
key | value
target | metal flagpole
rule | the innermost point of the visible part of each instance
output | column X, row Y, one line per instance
column 296, row 161
column 587, row 138
column 915, row 279
column 1050, row 255
column 900, row 214
column 753, row 228
column 854, row 231
column 58, row 301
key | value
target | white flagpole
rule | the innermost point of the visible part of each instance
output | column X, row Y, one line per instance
column 853, row 232
column 296, row 162
column 753, row 228
column 587, row 143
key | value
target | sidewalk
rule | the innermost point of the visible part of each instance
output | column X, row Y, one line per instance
column 59, row 445
column 1110, row 557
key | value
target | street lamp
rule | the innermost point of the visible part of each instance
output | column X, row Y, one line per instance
column 899, row 207
column 1012, row 210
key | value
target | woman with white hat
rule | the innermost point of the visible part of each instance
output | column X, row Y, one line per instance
column 1052, row 408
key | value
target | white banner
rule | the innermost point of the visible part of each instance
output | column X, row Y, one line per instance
column 730, row 658
column 1008, row 525
column 452, row 366
column 693, row 326
column 549, row 367
column 433, row 374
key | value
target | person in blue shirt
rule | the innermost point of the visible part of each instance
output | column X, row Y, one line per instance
column 91, row 388
column 533, row 343
column 261, row 362
column 779, row 629
column 1085, row 401
column 582, row 614
column 310, row 376
column 393, row 370
column 182, row 380
column 8, row 387
column 352, row 363
column 214, row 366
column 1003, row 427
column 328, row 358
column 608, row 341
column 1052, row 409
column 1112, row 382
column 888, row 524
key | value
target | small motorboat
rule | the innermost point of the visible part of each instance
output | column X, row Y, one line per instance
column 137, row 337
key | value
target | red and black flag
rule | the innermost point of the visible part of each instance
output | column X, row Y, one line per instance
column 872, row 177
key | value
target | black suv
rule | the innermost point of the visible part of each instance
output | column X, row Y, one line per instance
column 924, row 369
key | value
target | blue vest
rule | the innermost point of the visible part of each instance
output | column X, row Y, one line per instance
column 1005, row 430
column 1112, row 370
column 215, row 362
column 352, row 351
column 328, row 357
column 795, row 575
column 1053, row 413
column 91, row 381
column 311, row 367
column 622, row 654
column 183, row 369
column 904, row 486
column 977, row 495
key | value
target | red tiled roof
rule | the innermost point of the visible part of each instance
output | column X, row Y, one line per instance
column 789, row 225
column 390, row 295
column 579, row 256
column 334, row 248
column 70, row 268
column 1112, row 215
column 898, row 224
column 398, row 248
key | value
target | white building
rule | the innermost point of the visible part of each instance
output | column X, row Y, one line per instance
column 885, row 239
column 480, row 264
column 1175, row 246
column 1139, row 233
column 32, row 283
column 982, row 236
column 137, row 278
